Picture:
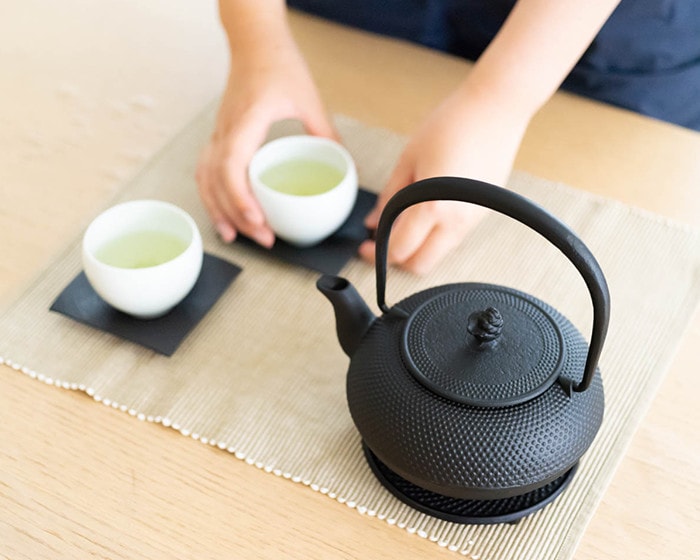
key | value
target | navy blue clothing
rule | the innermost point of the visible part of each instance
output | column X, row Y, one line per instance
column 646, row 57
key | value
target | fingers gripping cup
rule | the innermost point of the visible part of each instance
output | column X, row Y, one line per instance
column 143, row 257
column 306, row 185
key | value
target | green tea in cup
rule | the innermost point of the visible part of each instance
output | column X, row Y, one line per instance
column 143, row 256
column 303, row 177
column 141, row 249
column 306, row 186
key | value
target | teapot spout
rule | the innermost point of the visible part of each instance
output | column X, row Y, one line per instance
column 352, row 315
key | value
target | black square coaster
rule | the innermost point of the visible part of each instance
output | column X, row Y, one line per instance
column 164, row 334
column 331, row 255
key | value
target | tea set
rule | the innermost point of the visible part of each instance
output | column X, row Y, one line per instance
column 474, row 402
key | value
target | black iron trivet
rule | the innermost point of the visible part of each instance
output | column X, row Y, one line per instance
column 481, row 512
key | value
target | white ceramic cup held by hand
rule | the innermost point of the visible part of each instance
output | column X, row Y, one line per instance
column 142, row 257
column 306, row 186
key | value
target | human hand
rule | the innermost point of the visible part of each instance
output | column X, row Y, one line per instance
column 466, row 136
column 264, row 86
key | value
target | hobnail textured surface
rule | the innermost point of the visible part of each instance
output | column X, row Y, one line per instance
column 464, row 451
column 523, row 360
column 505, row 510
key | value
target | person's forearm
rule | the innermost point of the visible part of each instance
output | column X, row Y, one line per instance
column 534, row 51
column 254, row 25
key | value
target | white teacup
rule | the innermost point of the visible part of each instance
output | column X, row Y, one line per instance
column 306, row 185
column 143, row 257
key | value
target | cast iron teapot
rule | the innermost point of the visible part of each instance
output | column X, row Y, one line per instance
column 472, row 391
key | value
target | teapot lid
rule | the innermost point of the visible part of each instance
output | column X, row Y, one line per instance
column 487, row 346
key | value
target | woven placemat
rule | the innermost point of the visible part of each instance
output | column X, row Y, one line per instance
column 262, row 376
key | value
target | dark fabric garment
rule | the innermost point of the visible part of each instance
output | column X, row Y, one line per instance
column 646, row 57
column 420, row 21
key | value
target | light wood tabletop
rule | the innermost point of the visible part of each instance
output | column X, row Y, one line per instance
column 89, row 93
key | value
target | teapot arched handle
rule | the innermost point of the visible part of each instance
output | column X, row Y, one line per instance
column 521, row 209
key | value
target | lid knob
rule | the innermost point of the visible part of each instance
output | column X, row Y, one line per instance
column 485, row 325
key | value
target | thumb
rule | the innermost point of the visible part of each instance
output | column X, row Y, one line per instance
column 317, row 123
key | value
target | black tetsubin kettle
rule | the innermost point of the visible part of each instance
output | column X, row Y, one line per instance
column 472, row 392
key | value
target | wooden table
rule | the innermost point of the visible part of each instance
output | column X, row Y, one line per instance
column 90, row 91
